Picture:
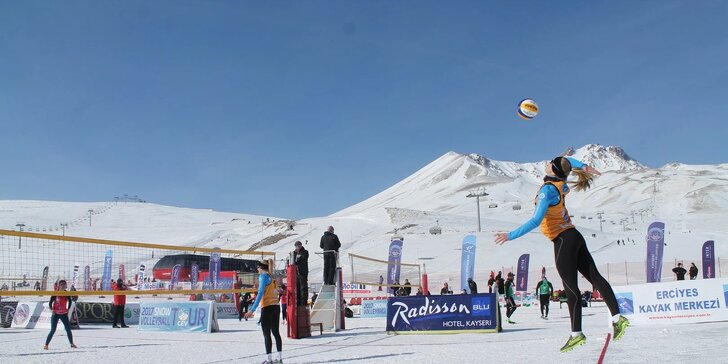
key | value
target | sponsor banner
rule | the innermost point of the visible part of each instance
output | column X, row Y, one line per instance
column 395, row 257
column 106, row 276
column 674, row 302
column 140, row 277
column 522, row 275
column 194, row 316
column 103, row 312
column 467, row 262
column 352, row 288
column 43, row 321
column 195, row 271
column 87, row 278
column 708, row 259
column 227, row 310
column 74, row 277
column 524, row 299
column 215, row 264
column 7, row 311
column 122, row 272
column 44, row 280
column 655, row 248
column 27, row 314
column 225, row 280
column 373, row 308
column 175, row 276
column 447, row 313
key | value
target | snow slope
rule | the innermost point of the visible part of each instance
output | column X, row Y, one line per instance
column 691, row 200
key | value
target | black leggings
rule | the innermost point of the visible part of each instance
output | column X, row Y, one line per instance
column 54, row 324
column 544, row 303
column 510, row 306
column 118, row 315
column 269, row 321
column 572, row 255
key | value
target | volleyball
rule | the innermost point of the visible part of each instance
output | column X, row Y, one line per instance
column 527, row 109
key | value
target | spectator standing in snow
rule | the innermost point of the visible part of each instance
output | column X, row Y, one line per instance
column 445, row 289
column 693, row 271
column 407, row 287
column 472, row 286
column 500, row 283
column 679, row 272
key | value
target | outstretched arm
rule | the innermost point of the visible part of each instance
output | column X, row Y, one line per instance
column 547, row 196
column 575, row 163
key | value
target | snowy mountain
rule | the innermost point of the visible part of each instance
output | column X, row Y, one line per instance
column 691, row 200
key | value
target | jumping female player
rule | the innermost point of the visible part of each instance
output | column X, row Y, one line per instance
column 270, row 312
column 570, row 251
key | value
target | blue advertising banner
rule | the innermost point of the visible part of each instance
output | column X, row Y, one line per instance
column 522, row 275
column 395, row 257
column 655, row 247
column 467, row 262
column 175, row 276
column 106, row 276
column 193, row 316
column 373, row 308
column 194, row 273
column 44, row 279
column 708, row 259
column 214, row 269
column 222, row 283
column 443, row 314
column 87, row 278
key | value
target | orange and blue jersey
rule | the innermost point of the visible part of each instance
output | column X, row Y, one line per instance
column 267, row 294
column 551, row 214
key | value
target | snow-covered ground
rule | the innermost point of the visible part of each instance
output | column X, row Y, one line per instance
column 531, row 339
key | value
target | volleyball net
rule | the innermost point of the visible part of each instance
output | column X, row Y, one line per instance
column 370, row 271
column 31, row 264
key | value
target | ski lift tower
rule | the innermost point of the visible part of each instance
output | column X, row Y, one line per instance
column 477, row 194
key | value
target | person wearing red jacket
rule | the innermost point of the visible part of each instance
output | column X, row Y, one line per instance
column 119, row 302
column 60, row 306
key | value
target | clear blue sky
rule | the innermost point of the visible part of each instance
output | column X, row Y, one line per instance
column 302, row 108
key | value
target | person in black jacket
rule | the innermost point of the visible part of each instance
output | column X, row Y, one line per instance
column 501, row 283
column 445, row 289
column 245, row 301
column 300, row 259
column 473, row 286
column 330, row 244
column 679, row 272
column 407, row 287
column 693, row 271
